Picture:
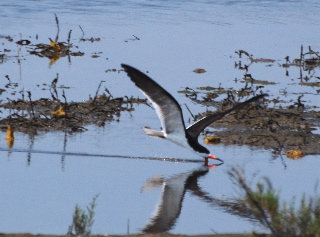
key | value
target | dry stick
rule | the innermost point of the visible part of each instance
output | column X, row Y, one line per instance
column 189, row 111
column 301, row 62
column 64, row 150
column 136, row 37
column 31, row 106
column 95, row 97
column 55, row 81
column 7, row 76
column 106, row 90
column 69, row 36
column 64, row 96
column 69, row 59
column 312, row 52
column 82, row 32
column 22, row 93
column 54, row 87
column 57, row 22
column 31, row 139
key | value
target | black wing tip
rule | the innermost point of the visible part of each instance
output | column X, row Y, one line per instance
column 131, row 71
column 125, row 66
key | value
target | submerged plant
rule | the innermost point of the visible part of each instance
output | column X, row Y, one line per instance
column 262, row 205
column 82, row 220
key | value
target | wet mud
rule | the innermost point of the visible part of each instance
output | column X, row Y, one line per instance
column 53, row 115
column 279, row 130
column 288, row 128
column 261, row 126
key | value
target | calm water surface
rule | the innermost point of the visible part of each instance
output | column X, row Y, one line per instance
column 40, row 190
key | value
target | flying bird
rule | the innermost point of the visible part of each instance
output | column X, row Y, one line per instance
column 173, row 191
column 171, row 118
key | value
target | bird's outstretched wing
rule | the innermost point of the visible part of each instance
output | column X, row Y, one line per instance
column 167, row 108
column 196, row 128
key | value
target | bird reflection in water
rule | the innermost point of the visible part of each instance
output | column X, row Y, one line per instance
column 173, row 191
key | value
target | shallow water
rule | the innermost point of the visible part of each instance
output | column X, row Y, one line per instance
column 40, row 190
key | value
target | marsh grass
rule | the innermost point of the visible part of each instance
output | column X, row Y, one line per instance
column 82, row 220
column 262, row 205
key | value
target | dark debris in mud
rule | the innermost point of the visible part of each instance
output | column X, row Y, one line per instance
column 307, row 61
column 277, row 129
column 261, row 124
column 53, row 115
column 53, row 49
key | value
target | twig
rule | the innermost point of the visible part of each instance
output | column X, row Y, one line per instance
column 82, row 32
column 106, row 90
column 64, row 96
column 31, row 106
column 22, row 93
column 7, row 76
column 137, row 38
column 57, row 22
column 313, row 52
column 54, row 87
column 95, row 97
column 54, row 81
column 189, row 111
column 69, row 36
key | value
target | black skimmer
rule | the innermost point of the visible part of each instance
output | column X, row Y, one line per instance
column 173, row 191
column 170, row 115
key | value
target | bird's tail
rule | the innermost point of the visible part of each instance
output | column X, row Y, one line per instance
column 153, row 133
